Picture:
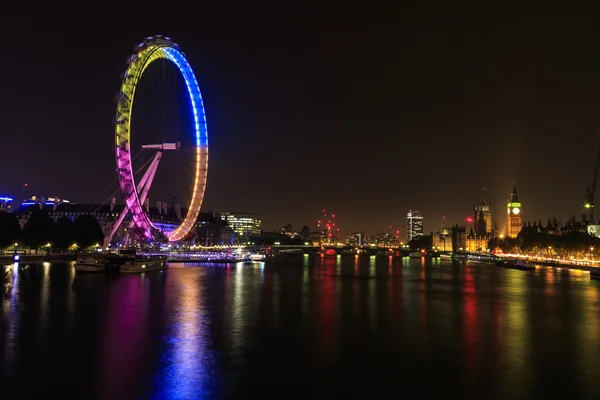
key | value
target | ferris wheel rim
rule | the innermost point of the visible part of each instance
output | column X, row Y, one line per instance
column 151, row 49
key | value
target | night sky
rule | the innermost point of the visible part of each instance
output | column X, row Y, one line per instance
column 366, row 114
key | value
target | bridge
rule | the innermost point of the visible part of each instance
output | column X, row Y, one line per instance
column 334, row 250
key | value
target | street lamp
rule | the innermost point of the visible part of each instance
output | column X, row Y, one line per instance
column 15, row 255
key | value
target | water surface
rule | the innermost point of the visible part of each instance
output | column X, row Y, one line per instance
column 301, row 326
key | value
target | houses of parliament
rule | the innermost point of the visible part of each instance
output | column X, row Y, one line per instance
column 476, row 236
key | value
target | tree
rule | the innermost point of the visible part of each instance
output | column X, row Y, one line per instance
column 38, row 230
column 87, row 231
column 64, row 234
column 10, row 230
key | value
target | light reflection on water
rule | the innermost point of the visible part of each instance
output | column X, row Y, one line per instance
column 232, row 330
column 185, row 372
column 11, row 324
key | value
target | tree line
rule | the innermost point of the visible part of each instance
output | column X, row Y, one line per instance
column 40, row 231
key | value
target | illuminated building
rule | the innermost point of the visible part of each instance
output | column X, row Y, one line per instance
column 442, row 241
column 288, row 231
column 414, row 225
column 244, row 225
column 355, row 239
column 318, row 237
column 515, row 214
column 475, row 242
column 383, row 239
column 482, row 222
column 5, row 203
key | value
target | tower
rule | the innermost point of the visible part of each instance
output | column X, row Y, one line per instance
column 482, row 210
column 515, row 213
column 414, row 225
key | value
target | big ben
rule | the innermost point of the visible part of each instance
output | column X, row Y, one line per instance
column 515, row 213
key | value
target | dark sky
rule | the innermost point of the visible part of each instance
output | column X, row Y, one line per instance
column 367, row 114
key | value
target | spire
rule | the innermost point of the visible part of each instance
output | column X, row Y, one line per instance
column 514, row 198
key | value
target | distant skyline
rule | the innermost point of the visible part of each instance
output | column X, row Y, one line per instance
column 365, row 115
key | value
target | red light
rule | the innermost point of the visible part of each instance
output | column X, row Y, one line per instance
column 397, row 231
column 469, row 219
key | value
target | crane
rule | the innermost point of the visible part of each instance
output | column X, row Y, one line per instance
column 590, row 192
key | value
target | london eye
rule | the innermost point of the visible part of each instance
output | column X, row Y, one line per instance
column 146, row 136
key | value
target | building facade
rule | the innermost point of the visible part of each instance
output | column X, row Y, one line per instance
column 475, row 243
column 244, row 225
column 165, row 219
column 212, row 231
column 459, row 238
column 482, row 220
column 442, row 241
column 355, row 239
column 414, row 225
column 515, row 214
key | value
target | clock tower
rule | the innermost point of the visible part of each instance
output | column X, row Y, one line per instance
column 515, row 214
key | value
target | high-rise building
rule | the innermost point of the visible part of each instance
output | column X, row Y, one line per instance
column 414, row 225
column 482, row 220
column 515, row 214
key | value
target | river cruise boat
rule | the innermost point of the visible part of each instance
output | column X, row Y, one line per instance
column 132, row 263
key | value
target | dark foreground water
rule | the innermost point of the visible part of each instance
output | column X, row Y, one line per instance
column 305, row 327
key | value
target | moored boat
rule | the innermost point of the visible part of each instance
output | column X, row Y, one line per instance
column 143, row 264
column 520, row 264
column 256, row 257
column 92, row 263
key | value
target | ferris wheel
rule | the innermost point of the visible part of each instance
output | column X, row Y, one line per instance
column 151, row 50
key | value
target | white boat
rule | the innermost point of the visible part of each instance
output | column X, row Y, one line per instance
column 139, row 264
column 257, row 257
column 90, row 264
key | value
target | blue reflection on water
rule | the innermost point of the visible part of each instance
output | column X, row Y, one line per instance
column 185, row 373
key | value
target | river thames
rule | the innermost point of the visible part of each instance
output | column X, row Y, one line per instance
column 299, row 327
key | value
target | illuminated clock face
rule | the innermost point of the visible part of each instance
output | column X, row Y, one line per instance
column 516, row 210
